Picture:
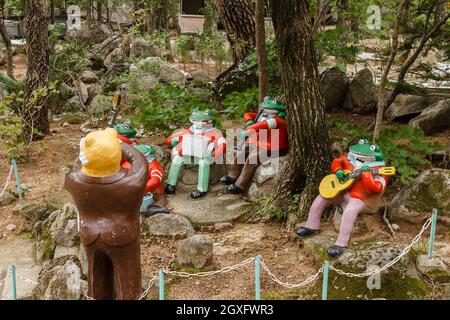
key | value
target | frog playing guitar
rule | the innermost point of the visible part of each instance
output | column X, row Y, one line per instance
column 364, row 166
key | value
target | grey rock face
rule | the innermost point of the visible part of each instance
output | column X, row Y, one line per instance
column 196, row 251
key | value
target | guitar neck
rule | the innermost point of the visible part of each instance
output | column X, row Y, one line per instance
column 356, row 174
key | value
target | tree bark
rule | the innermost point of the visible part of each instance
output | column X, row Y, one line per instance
column 99, row 11
column 309, row 152
column 237, row 17
column 52, row 12
column 34, row 110
column 8, row 47
column 261, row 51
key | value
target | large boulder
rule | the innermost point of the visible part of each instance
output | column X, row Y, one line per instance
column 60, row 279
column 30, row 214
column 196, row 251
column 168, row 73
column 334, row 84
column 100, row 105
column 434, row 268
column 100, row 51
column 90, row 33
column 59, row 229
column 6, row 198
column 88, row 76
column 143, row 48
column 236, row 78
column 73, row 104
column 406, row 106
column 264, row 180
column 429, row 190
column 169, row 225
column 434, row 118
column 361, row 97
column 115, row 57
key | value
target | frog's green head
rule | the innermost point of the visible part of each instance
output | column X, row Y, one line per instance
column 202, row 119
column 125, row 129
column 147, row 150
column 365, row 152
column 272, row 106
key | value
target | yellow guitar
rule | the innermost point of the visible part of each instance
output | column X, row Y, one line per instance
column 330, row 186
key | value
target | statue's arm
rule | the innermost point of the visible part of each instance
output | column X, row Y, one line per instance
column 139, row 165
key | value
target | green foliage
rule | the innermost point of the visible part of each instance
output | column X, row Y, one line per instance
column 12, row 146
column 329, row 42
column 236, row 104
column 404, row 147
column 183, row 45
column 10, row 85
column 273, row 64
column 166, row 107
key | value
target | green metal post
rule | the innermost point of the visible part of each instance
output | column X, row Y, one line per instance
column 257, row 278
column 325, row 280
column 161, row 284
column 432, row 233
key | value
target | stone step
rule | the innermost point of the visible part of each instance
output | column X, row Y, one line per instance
column 24, row 288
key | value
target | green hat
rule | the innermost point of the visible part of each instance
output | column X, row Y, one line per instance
column 145, row 149
column 272, row 104
column 125, row 129
column 202, row 115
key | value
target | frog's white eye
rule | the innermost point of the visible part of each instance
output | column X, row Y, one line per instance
column 373, row 147
column 275, row 101
column 266, row 99
column 126, row 126
column 206, row 112
column 362, row 141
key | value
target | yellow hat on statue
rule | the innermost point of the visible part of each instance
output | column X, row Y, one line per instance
column 101, row 153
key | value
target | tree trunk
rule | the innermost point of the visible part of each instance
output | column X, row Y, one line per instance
column 99, row 11
column 309, row 152
column 381, row 88
column 8, row 47
column 344, row 19
column 261, row 51
column 211, row 17
column 34, row 110
column 237, row 17
column 52, row 12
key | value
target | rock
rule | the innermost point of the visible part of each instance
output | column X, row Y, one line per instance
column 61, row 251
column 74, row 118
column 169, row 225
column 168, row 73
column 65, row 124
column 57, row 198
column 69, row 236
column 116, row 56
column 31, row 213
column 196, row 251
column 10, row 227
column 60, row 279
column 143, row 48
column 265, row 179
column 24, row 289
column 434, row 118
column 433, row 268
column 100, row 105
column 83, row 260
column 100, row 51
column 147, row 81
column 66, row 90
column 395, row 227
column 236, row 78
column 93, row 91
column 90, row 33
column 83, row 92
column 415, row 202
column 442, row 71
column 88, row 76
column 221, row 226
column 73, row 104
column 201, row 76
column 6, row 198
column 334, row 84
column 361, row 97
column 407, row 106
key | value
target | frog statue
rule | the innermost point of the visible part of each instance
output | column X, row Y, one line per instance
column 200, row 144
column 265, row 135
column 108, row 197
column 364, row 164
column 126, row 133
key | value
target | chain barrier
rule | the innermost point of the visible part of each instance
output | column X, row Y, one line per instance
column 389, row 264
column 291, row 285
column 209, row 273
column 6, row 278
column 265, row 268
column 8, row 180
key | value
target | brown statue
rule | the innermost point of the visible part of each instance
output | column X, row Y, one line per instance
column 108, row 198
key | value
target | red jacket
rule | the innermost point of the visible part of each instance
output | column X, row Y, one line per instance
column 363, row 188
column 126, row 140
column 214, row 135
column 155, row 176
column 269, row 124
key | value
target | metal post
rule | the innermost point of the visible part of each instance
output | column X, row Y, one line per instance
column 161, row 284
column 325, row 280
column 16, row 171
column 13, row 282
column 257, row 278
column 432, row 233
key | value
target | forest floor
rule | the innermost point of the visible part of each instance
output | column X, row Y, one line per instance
column 278, row 247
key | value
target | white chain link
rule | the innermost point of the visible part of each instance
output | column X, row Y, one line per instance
column 209, row 273
column 150, row 284
column 7, row 181
column 291, row 285
column 4, row 280
column 389, row 264
column 27, row 280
